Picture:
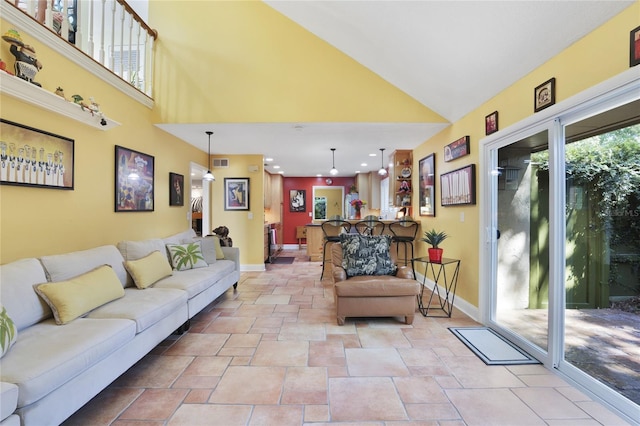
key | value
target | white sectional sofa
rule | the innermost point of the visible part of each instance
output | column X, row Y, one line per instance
column 52, row 370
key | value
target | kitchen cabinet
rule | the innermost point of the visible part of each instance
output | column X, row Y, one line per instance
column 368, row 186
column 315, row 240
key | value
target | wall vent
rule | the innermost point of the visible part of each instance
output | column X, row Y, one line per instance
column 220, row 163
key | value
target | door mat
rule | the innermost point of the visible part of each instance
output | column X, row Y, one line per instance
column 283, row 260
column 492, row 348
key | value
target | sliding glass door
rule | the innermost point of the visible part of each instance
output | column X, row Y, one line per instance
column 522, row 223
column 561, row 227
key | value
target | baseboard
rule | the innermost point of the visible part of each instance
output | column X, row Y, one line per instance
column 459, row 303
column 253, row 268
column 293, row 247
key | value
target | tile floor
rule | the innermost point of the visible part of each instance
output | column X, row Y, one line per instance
column 271, row 353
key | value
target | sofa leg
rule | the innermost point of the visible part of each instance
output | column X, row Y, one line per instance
column 408, row 319
column 235, row 286
column 183, row 328
column 341, row 320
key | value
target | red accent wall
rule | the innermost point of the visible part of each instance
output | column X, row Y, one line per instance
column 292, row 219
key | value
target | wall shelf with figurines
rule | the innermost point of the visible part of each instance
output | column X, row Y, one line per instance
column 30, row 93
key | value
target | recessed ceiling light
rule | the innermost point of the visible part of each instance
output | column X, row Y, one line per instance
column 373, row 154
column 319, row 175
column 276, row 167
column 281, row 172
column 363, row 165
column 268, row 159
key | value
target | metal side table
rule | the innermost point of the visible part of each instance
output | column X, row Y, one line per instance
column 437, row 272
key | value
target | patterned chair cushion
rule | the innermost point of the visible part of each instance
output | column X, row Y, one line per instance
column 366, row 255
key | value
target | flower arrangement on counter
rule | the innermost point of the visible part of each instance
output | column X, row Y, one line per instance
column 357, row 203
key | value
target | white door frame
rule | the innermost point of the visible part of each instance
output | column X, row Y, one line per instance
column 619, row 90
column 198, row 170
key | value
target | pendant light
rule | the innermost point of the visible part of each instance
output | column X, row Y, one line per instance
column 209, row 176
column 382, row 171
column 333, row 170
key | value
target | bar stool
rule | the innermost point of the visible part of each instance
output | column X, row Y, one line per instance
column 370, row 225
column 332, row 229
column 404, row 232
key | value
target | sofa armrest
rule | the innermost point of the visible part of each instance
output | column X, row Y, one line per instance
column 232, row 253
column 405, row 272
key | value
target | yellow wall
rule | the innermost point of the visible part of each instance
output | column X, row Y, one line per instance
column 600, row 55
column 241, row 61
column 35, row 222
column 246, row 232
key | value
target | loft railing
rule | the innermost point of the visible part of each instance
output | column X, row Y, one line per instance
column 109, row 31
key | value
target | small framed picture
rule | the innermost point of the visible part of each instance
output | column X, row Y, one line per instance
column 634, row 47
column 457, row 149
column 176, row 189
column 236, row 193
column 458, row 187
column 544, row 95
column 491, row 123
column 297, row 200
column 427, row 167
column 134, row 181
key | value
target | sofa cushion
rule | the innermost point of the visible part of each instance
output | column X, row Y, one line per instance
column 211, row 249
column 381, row 286
column 61, row 267
column 47, row 355
column 366, row 255
column 134, row 250
column 17, row 295
column 180, row 237
column 149, row 269
column 186, row 256
column 75, row 297
column 8, row 399
column 195, row 281
column 145, row 307
column 8, row 331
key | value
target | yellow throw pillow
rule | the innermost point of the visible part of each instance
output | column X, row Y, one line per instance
column 149, row 269
column 75, row 297
column 219, row 253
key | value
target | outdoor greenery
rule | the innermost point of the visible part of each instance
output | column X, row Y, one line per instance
column 608, row 167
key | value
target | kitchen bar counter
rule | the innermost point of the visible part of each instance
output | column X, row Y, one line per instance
column 315, row 237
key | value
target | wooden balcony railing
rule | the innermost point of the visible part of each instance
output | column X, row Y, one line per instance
column 109, row 31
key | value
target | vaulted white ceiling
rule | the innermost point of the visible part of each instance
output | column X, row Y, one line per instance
column 451, row 56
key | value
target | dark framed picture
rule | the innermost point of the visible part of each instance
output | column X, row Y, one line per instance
column 544, row 95
column 491, row 123
column 458, row 187
column 134, row 181
column 176, row 189
column 297, row 200
column 32, row 157
column 236, row 193
column 427, row 175
column 457, row 149
column 634, row 47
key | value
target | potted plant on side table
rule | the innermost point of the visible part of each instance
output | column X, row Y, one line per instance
column 434, row 238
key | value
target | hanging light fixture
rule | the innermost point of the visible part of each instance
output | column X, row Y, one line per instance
column 209, row 176
column 333, row 170
column 382, row 171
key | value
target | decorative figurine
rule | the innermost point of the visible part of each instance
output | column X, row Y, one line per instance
column 60, row 92
column 27, row 65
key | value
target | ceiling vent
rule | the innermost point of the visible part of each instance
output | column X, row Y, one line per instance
column 220, row 163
